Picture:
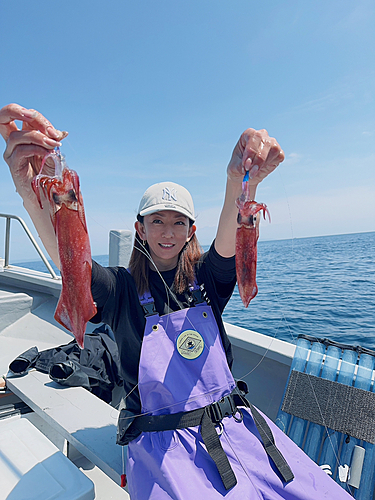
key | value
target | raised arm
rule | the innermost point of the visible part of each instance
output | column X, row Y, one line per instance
column 258, row 153
column 24, row 152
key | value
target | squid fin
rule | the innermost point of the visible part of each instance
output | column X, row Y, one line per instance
column 62, row 315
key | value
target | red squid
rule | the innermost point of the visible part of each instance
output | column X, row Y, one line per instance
column 246, row 242
column 76, row 305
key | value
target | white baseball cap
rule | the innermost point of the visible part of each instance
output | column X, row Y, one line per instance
column 167, row 196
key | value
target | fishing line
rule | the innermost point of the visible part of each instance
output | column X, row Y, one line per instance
column 275, row 293
column 326, row 429
column 289, row 210
column 291, row 260
column 273, row 337
column 192, row 398
column 170, row 293
column 145, row 252
column 262, row 358
column 105, row 228
column 167, row 288
column 236, row 455
column 281, row 311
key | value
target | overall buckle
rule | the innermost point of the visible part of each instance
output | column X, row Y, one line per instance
column 223, row 408
column 149, row 309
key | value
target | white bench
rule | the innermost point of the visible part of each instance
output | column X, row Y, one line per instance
column 32, row 467
column 84, row 420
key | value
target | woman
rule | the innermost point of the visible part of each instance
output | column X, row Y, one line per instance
column 191, row 432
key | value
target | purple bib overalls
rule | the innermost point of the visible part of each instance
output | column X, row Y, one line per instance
column 183, row 367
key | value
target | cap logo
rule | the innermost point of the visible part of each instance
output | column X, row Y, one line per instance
column 169, row 194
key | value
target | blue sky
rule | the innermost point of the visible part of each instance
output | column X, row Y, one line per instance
column 154, row 90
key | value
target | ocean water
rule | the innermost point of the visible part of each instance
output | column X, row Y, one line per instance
column 322, row 286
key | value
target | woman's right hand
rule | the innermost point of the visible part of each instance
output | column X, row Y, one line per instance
column 26, row 147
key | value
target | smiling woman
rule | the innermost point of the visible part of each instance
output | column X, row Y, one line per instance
column 166, row 314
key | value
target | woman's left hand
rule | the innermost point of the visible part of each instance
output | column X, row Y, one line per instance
column 256, row 152
column 259, row 154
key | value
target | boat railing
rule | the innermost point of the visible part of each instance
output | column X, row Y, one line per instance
column 8, row 218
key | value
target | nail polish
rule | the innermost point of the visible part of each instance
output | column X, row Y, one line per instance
column 51, row 142
column 52, row 132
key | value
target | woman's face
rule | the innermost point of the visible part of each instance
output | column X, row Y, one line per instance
column 166, row 233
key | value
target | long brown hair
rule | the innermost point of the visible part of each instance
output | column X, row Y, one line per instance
column 139, row 263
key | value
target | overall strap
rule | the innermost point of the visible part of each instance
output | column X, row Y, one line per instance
column 268, row 441
column 198, row 295
column 208, row 418
column 147, row 302
column 194, row 286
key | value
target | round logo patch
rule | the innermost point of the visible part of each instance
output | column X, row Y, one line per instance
column 190, row 344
